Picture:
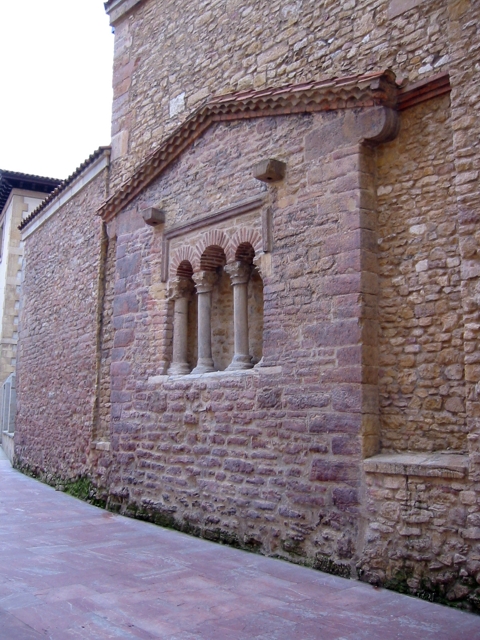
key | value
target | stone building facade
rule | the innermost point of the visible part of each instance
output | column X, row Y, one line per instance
column 268, row 334
column 20, row 194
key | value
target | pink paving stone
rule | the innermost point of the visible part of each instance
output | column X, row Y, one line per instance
column 70, row 571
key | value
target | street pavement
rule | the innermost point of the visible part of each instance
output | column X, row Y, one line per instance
column 69, row 571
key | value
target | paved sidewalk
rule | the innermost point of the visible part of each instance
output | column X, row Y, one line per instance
column 70, row 571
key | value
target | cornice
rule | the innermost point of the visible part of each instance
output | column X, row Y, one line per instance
column 368, row 90
column 117, row 9
column 423, row 90
column 69, row 186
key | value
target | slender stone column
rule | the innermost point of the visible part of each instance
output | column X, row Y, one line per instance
column 239, row 273
column 180, row 292
column 204, row 281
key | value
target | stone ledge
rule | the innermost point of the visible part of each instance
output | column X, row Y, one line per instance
column 433, row 465
column 218, row 374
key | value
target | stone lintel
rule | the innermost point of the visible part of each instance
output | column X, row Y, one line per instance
column 433, row 465
column 232, row 211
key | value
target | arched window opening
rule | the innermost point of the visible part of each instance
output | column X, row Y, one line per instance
column 212, row 258
column 218, row 313
column 245, row 253
column 255, row 316
column 247, row 308
column 184, row 320
column 213, row 315
column 184, row 269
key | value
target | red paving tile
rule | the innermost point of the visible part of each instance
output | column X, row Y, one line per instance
column 69, row 571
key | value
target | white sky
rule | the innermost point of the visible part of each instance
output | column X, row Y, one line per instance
column 55, row 84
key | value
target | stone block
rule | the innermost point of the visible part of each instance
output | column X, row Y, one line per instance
column 325, row 470
column 125, row 304
column 270, row 170
column 123, row 338
column 153, row 216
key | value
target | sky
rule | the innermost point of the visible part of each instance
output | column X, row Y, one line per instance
column 56, row 61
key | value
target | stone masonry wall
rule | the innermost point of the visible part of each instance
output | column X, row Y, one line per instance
column 271, row 457
column 420, row 537
column 56, row 371
column 370, row 296
column 422, row 384
column 170, row 56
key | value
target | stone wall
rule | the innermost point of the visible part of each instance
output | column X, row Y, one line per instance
column 354, row 444
column 170, row 57
column 57, row 364
column 270, row 457
column 422, row 385
column 423, row 527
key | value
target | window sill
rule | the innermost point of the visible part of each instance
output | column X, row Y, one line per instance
column 433, row 465
column 215, row 375
column 7, row 433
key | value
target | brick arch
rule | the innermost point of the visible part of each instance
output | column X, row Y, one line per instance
column 182, row 254
column 212, row 257
column 212, row 238
column 244, row 236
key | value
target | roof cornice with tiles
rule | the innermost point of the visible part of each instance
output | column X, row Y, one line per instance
column 65, row 185
column 368, row 90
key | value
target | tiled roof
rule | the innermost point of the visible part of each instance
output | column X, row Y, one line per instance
column 64, row 185
column 324, row 95
column 13, row 180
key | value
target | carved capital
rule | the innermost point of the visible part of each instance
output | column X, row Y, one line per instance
column 239, row 272
column 263, row 264
column 179, row 288
column 204, row 280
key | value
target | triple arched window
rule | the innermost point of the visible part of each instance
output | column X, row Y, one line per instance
column 218, row 311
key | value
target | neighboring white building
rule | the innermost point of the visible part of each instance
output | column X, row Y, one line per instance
column 20, row 194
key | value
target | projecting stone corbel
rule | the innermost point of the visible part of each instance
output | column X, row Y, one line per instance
column 377, row 124
column 153, row 216
column 269, row 170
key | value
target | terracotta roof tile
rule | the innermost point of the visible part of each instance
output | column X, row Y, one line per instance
column 369, row 89
column 62, row 186
column 324, row 94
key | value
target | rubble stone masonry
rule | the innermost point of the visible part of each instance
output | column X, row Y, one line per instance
column 353, row 444
column 57, row 343
column 170, row 56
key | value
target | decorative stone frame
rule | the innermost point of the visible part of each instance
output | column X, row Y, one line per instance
column 195, row 239
column 260, row 244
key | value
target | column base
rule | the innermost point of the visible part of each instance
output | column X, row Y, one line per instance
column 239, row 363
column 178, row 369
column 204, row 366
